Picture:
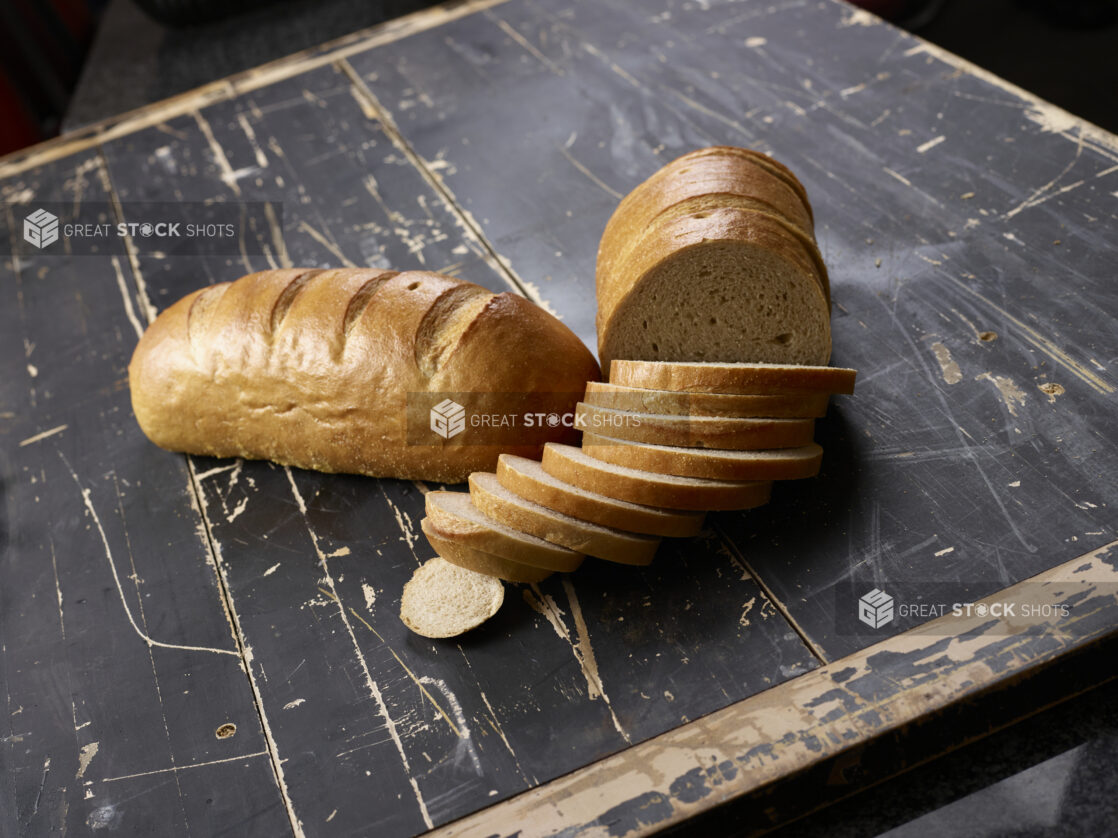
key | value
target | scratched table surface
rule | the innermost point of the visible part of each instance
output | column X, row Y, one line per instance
column 195, row 646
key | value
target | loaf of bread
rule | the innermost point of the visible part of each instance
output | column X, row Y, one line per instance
column 714, row 259
column 336, row 370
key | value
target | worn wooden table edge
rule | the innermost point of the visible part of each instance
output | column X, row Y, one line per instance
column 1055, row 118
column 229, row 87
column 746, row 748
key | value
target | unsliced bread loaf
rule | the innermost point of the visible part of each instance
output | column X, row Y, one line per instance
column 723, row 464
column 444, row 600
column 573, row 465
column 519, row 513
column 748, row 379
column 528, row 479
column 462, row 555
column 695, row 431
column 322, row 369
column 717, row 285
column 455, row 517
column 641, row 400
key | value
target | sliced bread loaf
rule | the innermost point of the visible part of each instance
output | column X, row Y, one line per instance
column 694, row 431
column 761, row 159
column 723, row 378
column 575, row 466
column 454, row 516
column 462, row 555
column 715, row 285
column 444, row 600
column 723, row 464
column 528, row 479
column 674, row 403
column 519, row 513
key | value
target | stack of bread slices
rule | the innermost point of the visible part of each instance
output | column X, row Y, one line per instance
column 714, row 326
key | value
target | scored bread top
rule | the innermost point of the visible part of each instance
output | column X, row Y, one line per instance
column 693, row 177
column 761, row 159
column 314, row 368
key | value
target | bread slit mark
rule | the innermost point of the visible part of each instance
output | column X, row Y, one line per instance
column 287, row 298
column 360, row 301
column 445, row 322
column 197, row 319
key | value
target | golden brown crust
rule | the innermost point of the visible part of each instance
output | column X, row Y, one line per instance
column 478, row 560
column 528, row 479
column 782, row 464
column 713, row 171
column 313, row 369
column 648, row 400
column 739, row 379
column 696, row 431
column 599, row 541
column 649, row 488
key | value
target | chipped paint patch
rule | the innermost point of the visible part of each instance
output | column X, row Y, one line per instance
column 85, row 757
column 1011, row 394
column 929, row 145
column 948, row 368
column 858, row 17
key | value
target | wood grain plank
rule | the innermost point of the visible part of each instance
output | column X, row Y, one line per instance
column 315, row 563
column 118, row 661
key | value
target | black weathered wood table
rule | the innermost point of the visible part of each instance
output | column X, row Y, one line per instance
column 193, row 646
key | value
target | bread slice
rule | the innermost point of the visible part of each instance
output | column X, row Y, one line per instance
column 528, row 479
column 454, row 516
column 573, row 465
column 694, row 431
column 639, row 400
column 444, row 600
column 717, row 285
column 723, row 464
column 471, row 558
column 748, row 379
column 512, row 510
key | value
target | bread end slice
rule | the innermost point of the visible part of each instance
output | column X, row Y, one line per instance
column 444, row 600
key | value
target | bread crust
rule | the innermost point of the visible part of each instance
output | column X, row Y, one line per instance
column 696, row 431
column 646, row 487
column 519, row 475
column 314, row 369
column 599, row 541
column 478, row 560
column 710, row 463
column 809, row 405
column 734, row 379
column 465, row 523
